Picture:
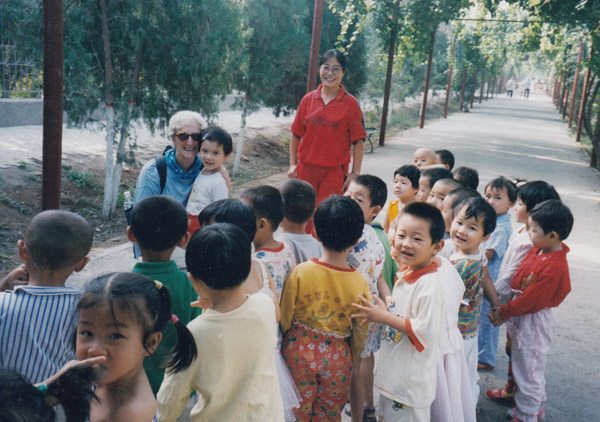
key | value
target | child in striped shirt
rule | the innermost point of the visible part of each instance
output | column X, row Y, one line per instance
column 37, row 320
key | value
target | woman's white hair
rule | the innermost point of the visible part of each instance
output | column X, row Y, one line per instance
column 185, row 116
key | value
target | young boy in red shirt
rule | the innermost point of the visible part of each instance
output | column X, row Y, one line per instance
column 542, row 283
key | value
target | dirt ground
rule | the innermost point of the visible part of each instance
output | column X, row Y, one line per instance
column 265, row 152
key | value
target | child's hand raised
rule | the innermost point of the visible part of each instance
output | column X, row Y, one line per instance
column 369, row 311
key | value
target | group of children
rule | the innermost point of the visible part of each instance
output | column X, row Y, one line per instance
column 270, row 323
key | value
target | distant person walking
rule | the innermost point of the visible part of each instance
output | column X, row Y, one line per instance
column 327, row 133
column 526, row 88
column 510, row 87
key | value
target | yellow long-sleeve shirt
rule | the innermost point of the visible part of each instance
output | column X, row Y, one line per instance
column 320, row 296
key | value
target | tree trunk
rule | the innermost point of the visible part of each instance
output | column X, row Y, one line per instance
column 315, row 44
column 482, row 85
column 388, row 87
column 474, row 87
column 240, row 144
column 487, row 94
column 449, row 84
column 427, row 77
column 575, row 80
column 584, row 93
column 110, row 113
column 125, row 125
column 566, row 103
column 462, row 88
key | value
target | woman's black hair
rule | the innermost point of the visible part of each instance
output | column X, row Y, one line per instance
column 338, row 55
column 22, row 402
column 232, row 211
column 532, row 193
column 147, row 303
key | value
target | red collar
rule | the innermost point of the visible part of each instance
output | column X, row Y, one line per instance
column 278, row 249
column 338, row 96
column 412, row 276
column 332, row 267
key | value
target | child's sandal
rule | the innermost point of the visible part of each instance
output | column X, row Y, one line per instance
column 367, row 412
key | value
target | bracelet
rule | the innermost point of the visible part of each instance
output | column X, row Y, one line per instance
column 355, row 172
column 43, row 389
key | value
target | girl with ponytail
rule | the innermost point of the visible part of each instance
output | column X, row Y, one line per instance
column 121, row 317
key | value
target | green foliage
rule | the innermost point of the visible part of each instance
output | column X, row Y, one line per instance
column 10, row 202
column 80, row 178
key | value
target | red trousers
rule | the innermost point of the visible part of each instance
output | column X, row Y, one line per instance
column 327, row 181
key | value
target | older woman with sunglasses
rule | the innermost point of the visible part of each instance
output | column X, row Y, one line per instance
column 327, row 132
column 182, row 162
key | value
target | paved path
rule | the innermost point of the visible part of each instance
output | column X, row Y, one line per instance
column 525, row 139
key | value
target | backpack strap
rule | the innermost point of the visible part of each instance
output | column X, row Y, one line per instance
column 161, row 167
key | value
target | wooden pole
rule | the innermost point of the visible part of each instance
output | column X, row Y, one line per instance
column 586, row 81
column 53, row 103
column 575, row 80
column 482, row 85
column 462, row 89
column 388, row 87
column 449, row 85
column 474, row 86
column 427, row 77
column 315, row 45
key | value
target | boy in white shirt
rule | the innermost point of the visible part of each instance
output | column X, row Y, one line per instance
column 299, row 199
column 210, row 185
column 406, row 376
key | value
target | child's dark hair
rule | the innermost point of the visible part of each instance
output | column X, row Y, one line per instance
column 553, row 216
column 58, row 239
column 500, row 183
column 467, row 176
column 266, row 202
column 220, row 136
column 232, row 211
column 22, row 402
column 146, row 302
column 460, row 194
column 446, row 157
column 376, row 187
column 411, row 172
column 299, row 198
column 219, row 255
column 482, row 211
column 450, row 184
column 339, row 223
column 339, row 56
column 431, row 214
column 158, row 223
column 435, row 174
column 532, row 193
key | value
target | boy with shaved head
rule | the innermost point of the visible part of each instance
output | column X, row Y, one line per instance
column 37, row 320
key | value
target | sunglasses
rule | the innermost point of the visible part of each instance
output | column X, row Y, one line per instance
column 184, row 136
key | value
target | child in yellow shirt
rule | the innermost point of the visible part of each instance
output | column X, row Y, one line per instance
column 321, row 340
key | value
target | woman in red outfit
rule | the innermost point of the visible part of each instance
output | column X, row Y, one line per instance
column 328, row 130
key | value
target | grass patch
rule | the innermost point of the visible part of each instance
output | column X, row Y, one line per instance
column 34, row 177
column 80, row 178
column 10, row 202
